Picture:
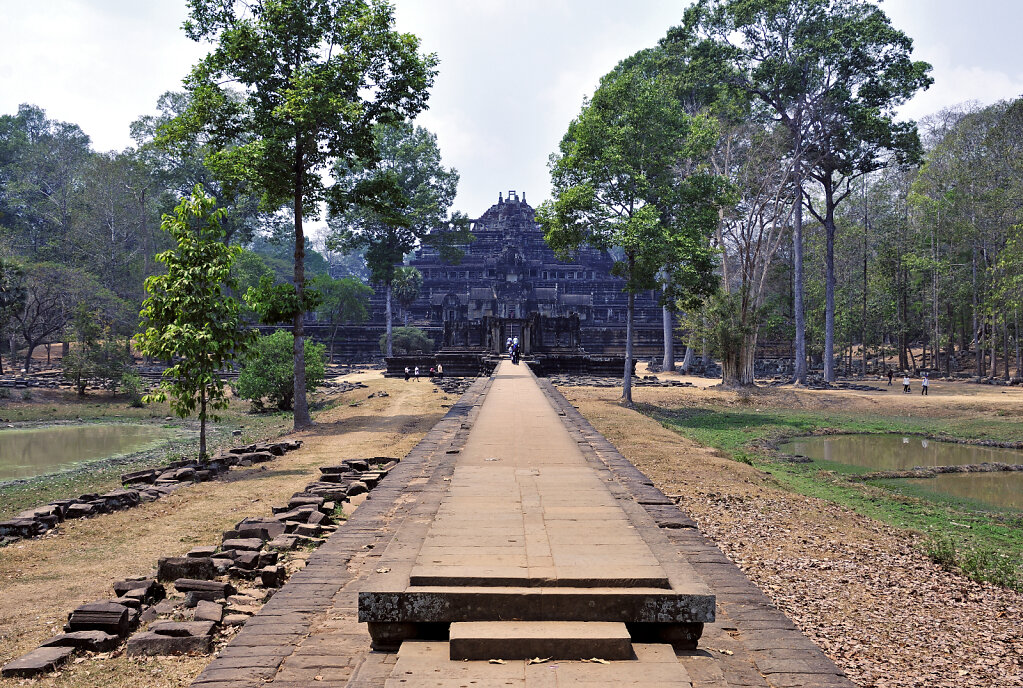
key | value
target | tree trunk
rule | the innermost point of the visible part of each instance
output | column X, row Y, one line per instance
column 387, row 316
column 1005, row 346
column 799, row 373
column 994, row 348
column 202, row 425
column 1019, row 361
column 977, row 323
column 829, row 283
column 28, row 357
column 737, row 363
column 687, row 359
column 668, row 363
column 302, row 418
column 631, row 314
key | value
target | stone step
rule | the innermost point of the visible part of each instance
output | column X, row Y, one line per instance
column 611, row 576
column 418, row 605
column 486, row 640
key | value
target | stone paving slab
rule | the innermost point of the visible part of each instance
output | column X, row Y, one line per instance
column 335, row 646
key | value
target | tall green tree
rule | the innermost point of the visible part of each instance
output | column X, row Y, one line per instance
column 344, row 300
column 189, row 317
column 315, row 77
column 389, row 208
column 833, row 72
column 616, row 186
column 12, row 296
column 408, row 284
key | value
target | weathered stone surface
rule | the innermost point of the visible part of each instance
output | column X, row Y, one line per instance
column 172, row 568
column 235, row 619
column 210, row 586
column 92, row 641
column 209, row 611
column 272, row 576
column 109, row 617
column 39, row 661
column 524, row 640
column 261, row 528
column 182, row 628
column 244, row 543
column 246, row 560
column 151, row 591
column 153, row 644
column 285, row 542
column 201, row 552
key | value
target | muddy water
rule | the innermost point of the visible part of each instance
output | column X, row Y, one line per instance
column 895, row 452
column 898, row 453
column 36, row 451
column 1003, row 490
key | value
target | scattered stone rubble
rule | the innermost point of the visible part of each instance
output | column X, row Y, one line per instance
column 454, row 385
column 563, row 380
column 932, row 471
column 139, row 486
column 215, row 589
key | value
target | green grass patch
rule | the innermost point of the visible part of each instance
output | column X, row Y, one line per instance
column 983, row 542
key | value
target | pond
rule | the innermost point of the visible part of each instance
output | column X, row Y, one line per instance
column 900, row 453
column 1003, row 490
column 895, row 452
column 36, row 451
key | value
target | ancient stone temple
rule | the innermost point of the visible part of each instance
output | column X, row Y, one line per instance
column 510, row 274
column 510, row 283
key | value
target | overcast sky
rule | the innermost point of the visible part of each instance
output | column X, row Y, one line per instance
column 512, row 73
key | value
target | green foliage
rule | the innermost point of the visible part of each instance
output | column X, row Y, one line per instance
column 343, row 300
column 268, row 371
column 316, row 76
column 134, row 388
column 407, row 340
column 279, row 303
column 189, row 318
column 98, row 355
column 387, row 209
column 628, row 176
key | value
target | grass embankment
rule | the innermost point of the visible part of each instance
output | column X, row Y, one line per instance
column 60, row 406
column 984, row 543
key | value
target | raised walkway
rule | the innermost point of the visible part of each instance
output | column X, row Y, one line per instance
column 514, row 531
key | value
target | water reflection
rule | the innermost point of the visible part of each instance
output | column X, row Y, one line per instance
column 1004, row 490
column 899, row 453
column 36, row 451
column 895, row 452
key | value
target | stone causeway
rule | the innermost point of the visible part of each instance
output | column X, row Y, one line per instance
column 515, row 546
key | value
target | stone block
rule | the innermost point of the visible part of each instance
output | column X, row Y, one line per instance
column 357, row 488
column 235, row 619
column 182, row 628
column 267, row 559
column 91, row 641
column 80, row 511
column 39, row 661
column 209, row 611
column 285, row 542
column 172, row 568
column 153, row 644
column 151, row 590
column 193, row 585
column 272, row 576
column 253, row 544
column 246, row 560
column 109, row 617
column 201, row 552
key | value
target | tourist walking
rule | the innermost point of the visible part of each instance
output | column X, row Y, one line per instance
column 508, row 346
column 891, row 374
column 905, row 383
column 407, row 373
column 924, row 384
column 417, row 373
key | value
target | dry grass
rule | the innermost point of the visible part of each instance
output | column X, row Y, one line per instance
column 42, row 580
column 861, row 590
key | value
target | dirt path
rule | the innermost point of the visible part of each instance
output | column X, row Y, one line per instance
column 877, row 606
column 42, row 580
